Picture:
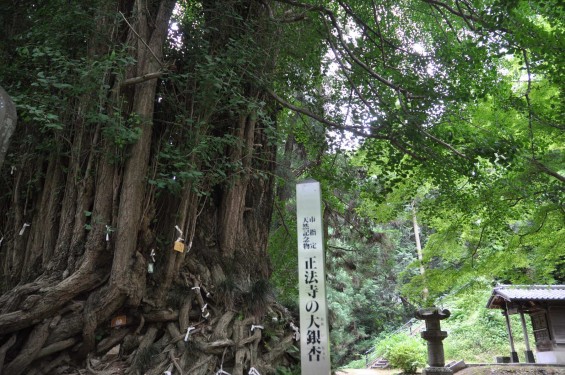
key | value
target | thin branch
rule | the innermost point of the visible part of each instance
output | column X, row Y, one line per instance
column 294, row 18
column 341, row 248
column 333, row 20
column 347, row 76
column 527, row 96
column 454, row 11
column 436, row 7
column 548, row 171
column 282, row 219
column 142, row 41
column 140, row 79
column 359, row 131
column 471, row 26
column 175, row 362
column 314, row 116
column 444, row 144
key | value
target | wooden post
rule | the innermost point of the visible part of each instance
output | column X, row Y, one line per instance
column 513, row 353
column 528, row 353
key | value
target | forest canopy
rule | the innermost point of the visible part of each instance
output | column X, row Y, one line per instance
column 158, row 142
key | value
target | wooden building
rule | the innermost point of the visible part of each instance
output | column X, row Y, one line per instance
column 545, row 304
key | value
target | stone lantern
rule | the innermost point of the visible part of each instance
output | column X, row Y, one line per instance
column 434, row 337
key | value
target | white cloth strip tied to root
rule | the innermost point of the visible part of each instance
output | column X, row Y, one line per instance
column 179, row 239
column 253, row 327
column 188, row 330
column 205, row 312
column 296, row 330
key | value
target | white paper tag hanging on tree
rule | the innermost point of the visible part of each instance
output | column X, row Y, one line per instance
column 24, row 228
column 108, row 231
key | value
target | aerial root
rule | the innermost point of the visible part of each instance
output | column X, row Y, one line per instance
column 30, row 350
column 4, row 348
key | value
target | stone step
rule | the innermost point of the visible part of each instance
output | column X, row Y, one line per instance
column 379, row 363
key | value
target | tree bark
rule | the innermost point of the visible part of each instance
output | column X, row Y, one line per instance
column 96, row 224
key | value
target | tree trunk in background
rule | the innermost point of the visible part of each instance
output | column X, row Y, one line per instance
column 8, row 120
column 425, row 291
column 95, row 221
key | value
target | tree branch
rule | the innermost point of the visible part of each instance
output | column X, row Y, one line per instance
column 444, row 144
column 140, row 79
column 333, row 20
column 548, row 171
column 141, row 39
column 356, row 130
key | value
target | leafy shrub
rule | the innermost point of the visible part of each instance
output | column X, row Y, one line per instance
column 387, row 344
column 404, row 352
column 356, row 364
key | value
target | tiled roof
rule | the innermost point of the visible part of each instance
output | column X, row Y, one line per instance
column 531, row 292
column 511, row 293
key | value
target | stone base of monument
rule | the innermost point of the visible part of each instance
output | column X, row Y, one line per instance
column 437, row 371
column 456, row 366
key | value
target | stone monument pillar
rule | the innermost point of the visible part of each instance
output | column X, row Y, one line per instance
column 434, row 337
column 7, row 122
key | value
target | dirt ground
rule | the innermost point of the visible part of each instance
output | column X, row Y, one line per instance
column 366, row 372
column 480, row 370
column 513, row 370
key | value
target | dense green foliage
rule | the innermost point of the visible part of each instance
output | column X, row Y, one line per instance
column 456, row 119
column 475, row 333
column 407, row 356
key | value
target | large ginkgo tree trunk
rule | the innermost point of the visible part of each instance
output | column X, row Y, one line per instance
column 107, row 242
